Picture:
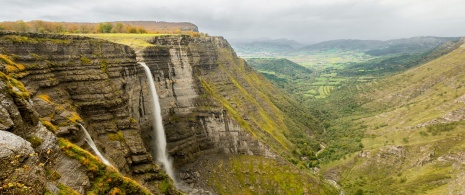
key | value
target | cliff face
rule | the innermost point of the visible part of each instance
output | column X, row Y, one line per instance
column 196, row 123
column 79, row 80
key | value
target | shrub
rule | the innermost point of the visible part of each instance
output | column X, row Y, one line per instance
column 48, row 125
column 35, row 141
column 85, row 61
column 65, row 190
column 438, row 128
column 45, row 97
column 116, row 136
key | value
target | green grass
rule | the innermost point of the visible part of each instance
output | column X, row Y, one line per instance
column 324, row 64
column 258, row 175
column 65, row 190
column 136, row 41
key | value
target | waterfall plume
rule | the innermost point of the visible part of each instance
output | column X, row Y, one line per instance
column 157, row 126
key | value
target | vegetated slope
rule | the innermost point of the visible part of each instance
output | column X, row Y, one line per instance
column 413, row 132
column 282, row 66
column 292, row 77
column 280, row 71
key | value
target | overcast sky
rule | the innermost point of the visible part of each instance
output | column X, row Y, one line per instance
column 301, row 20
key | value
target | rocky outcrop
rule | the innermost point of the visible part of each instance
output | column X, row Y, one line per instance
column 17, row 158
column 26, row 146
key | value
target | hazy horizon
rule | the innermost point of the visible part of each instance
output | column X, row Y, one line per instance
column 302, row 21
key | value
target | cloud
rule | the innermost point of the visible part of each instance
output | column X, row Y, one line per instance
column 302, row 20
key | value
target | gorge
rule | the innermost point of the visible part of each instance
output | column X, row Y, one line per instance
column 219, row 117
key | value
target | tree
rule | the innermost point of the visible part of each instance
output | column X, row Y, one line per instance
column 119, row 27
column 141, row 30
column 20, row 26
column 132, row 30
column 105, row 27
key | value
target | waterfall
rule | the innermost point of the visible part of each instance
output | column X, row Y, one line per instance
column 94, row 147
column 157, row 126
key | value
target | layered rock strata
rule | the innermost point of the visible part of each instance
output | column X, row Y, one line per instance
column 74, row 80
column 196, row 124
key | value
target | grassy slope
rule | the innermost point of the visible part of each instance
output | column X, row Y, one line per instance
column 412, row 144
column 258, row 175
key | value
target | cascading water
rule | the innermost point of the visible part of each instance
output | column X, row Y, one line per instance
column 94, row 147
column 160, row 139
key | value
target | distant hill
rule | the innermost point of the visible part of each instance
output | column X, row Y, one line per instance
column 266, row 47
column 409, row 45
column 344, row 44
column 407, row 54
column 376, row 48
column 279, row 66
column 284, row 73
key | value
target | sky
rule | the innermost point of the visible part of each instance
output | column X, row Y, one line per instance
column 305, row 21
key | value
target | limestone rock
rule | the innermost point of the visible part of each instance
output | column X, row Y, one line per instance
column 5, row 120
column 13, row 147
column 17, row 161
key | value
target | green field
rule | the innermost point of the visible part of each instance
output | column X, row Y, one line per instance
column 324, row 78
column 135, row 41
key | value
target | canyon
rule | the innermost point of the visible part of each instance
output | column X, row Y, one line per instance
column 217, row 111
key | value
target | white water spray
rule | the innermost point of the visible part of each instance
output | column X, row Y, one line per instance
column 94, row 147
column 157, row 126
